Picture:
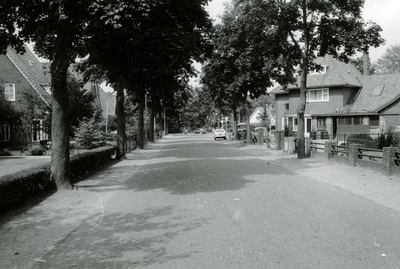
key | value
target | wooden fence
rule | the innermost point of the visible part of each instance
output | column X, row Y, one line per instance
column 386, row 160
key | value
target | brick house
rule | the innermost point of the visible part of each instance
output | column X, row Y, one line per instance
column 23, row 79
column 341, row 101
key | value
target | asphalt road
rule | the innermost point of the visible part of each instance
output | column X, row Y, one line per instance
column 191, row 202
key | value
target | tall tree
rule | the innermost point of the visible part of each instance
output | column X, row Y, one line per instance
column 58, row 30
column 389, row 62
column 153, row 39
column 317, row 28
column 248, row 54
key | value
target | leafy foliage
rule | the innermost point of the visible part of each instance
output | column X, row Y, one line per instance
column 317, row 28
column 81, row 101
column 33, row 108
column 8, row 113
column 389, row 138
column 88, row 134
column 389, row 62
column 199, row 110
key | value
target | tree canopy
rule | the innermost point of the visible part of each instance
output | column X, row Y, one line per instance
column 248, row 55
column 130, row 41
column 317, row 28
column 389, row 62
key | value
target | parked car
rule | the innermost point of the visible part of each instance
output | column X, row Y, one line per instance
column 219, row 133
column 197, row 131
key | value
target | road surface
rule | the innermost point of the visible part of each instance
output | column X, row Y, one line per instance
column 192, row 202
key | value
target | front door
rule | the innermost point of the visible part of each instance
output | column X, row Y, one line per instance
column 307, row 128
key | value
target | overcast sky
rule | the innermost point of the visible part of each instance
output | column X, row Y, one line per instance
column 385, row 13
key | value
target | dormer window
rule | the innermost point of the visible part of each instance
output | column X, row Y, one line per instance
column 318, row 95
column 323, row 69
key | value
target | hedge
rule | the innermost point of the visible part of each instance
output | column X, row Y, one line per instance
column 18, row 187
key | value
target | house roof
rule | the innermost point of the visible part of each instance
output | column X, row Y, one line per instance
column 260, row 110
column 378, row 92
column 338, row 74
column 30, row 67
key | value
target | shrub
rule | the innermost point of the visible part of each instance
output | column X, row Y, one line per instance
column 363, row 139
column 18, row 187
column 35, row 150
column 4, row 152
column 87, row 134
column 389, row 138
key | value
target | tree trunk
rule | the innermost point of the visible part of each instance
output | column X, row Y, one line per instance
column 235, row 120
column 120, row 112
column 248, row 138
column 160, row 123
column 165, row 122
column 59, row 123
column 303, row 88
column 151, row 125
column 141, row 120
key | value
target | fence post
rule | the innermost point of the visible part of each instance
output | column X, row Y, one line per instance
column 388, row 159
column 278, row 140
column 307, row 145
column 328, row 149
column 353, row 154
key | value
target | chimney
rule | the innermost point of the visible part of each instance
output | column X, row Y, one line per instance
column 365, row 58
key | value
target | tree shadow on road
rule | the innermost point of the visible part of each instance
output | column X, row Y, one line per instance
column 124, row 241
column 187, row 176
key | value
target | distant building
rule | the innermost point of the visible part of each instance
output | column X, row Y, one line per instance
column 341, row 101
column 23, row 79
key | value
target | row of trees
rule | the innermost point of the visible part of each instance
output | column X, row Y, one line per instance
column 258, row 42
column 144, row 48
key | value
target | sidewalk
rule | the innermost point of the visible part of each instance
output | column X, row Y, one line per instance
column 375, row 186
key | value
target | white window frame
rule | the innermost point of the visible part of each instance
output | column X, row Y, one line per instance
column 5, row 132
column 9, row 91
column 41, row 132
column 295, row 126
column 324, row 95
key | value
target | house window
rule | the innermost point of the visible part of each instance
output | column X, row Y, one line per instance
column 295, row 124
column 318, row 95
column 377, row 91
column 349, row 121
column 286, row 106
column 9, row 91
column 357, row 121
column 39, row 132
column 5, row 133
column 321, row 122
column 374, row 121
